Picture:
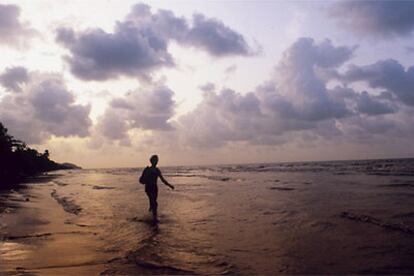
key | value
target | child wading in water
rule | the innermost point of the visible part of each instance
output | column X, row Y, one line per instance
column 149, row 177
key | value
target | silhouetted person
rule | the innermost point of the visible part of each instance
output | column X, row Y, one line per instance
column 149, row 177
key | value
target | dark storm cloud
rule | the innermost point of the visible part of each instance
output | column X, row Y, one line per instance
column 147, row 109
column 13, row 78
column 12, row 31
column 139, row 44
column 387, row 74
column 44, row 107
column 375, row 18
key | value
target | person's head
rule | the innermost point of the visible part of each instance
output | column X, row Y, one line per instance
column 154, row 160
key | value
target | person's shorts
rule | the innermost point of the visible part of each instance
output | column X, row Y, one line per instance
column 151, row 189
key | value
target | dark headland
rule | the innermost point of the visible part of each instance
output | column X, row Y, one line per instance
column 18, row 161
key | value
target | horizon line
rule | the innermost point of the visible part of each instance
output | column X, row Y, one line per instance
column 259, row 163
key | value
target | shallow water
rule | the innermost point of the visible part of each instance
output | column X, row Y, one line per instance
column 309, row 217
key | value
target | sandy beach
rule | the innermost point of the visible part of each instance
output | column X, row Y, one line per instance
column 293, row 218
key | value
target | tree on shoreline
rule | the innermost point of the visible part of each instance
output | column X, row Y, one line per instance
column 17, row 160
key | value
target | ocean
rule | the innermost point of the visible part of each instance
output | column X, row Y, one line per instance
column 333, row 217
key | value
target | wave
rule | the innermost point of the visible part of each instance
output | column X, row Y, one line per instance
column 40, row 235
column 96, row 187
column 392, row 167
column 375, row 221
column 398, row 185
column 162, row 269
column 68, row 205
column 60, row 183
column 211, row 177
column 47, row 234
column 380, row 167
column 282, row 188
column 405, row 215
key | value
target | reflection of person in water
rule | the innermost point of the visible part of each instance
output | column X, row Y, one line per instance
column 149, row 178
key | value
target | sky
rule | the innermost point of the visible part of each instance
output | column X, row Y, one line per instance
column 109, row 83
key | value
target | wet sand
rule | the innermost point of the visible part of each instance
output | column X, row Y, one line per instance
column 257, row 219
column 36, row 238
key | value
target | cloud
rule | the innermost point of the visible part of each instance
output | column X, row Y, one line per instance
column 208, row 87
column 216, row 38
column 366, row 103
column 305, row 95
column 375, row 18
column 409, row 49
column 221, row 117
column 42, row 108
column 113, row 126
column 97, row 55
column 149, row 108
column 386, row 74
column 208, row 34
column 138, row 45
column 12, row 31
column 13, row 78
column 231, row 69
column 298, row 104
column 163, row 22
column 373, row 105
column 295, row 99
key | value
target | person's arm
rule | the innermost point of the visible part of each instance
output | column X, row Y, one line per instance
column 165, row 181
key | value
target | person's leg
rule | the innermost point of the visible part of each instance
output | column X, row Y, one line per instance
column 149, row 200
column 152, row 194
column 153, row 203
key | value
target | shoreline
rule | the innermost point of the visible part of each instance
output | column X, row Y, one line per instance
column 31, row 226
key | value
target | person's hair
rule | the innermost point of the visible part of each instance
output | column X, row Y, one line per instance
column 153, row 159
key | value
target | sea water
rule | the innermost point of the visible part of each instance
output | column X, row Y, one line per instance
column 307, row 217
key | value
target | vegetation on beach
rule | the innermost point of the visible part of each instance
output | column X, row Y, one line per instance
column 18, row 161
